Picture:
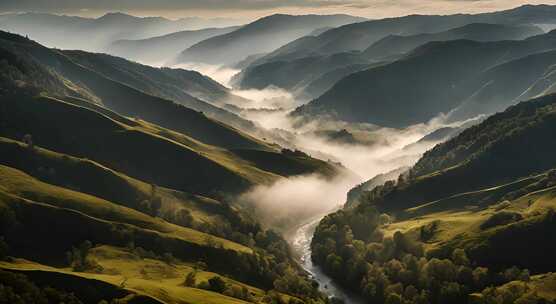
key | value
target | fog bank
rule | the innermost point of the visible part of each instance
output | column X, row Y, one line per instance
column 365, row 150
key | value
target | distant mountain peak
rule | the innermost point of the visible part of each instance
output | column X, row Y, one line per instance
column 111, row 15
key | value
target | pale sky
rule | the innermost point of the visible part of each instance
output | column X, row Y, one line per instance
column 251, row 9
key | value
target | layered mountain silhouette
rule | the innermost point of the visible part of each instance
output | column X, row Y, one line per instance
column 286, row 70
column 396, row 45
column 359, row 36
column 260, row 36
column 162, row 49
column 296, row 74
column 70, row 32
column 376, row 95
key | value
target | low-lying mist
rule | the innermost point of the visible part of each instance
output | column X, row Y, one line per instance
column 364, row 150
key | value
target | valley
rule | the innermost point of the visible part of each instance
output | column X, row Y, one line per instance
column 278, row 159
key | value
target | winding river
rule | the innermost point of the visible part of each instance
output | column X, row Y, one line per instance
column 301, row 243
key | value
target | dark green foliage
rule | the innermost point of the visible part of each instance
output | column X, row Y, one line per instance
column 191, row 279
column 497, row 151
column 79, row 260
column 501, row 138
column 18, row 289
column 217, row 284
column 238, row 292
column 427, row 231
column 394, row 270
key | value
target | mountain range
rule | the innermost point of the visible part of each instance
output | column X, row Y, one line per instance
column 260, row 36
column 297, row 73
column 162, row 49
column 473, row 82
column 359, row 36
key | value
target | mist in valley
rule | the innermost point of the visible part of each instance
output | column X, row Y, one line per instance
column 369, row 150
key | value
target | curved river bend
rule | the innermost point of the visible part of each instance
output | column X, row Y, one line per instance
column 301, row 243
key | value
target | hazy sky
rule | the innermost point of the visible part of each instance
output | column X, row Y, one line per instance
column 250, row 9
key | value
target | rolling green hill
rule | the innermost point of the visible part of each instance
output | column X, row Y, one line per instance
column 95, row 172
column 471, row 221
column 189, row 88
column 119, row 97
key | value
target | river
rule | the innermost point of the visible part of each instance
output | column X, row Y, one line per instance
column 301, row 244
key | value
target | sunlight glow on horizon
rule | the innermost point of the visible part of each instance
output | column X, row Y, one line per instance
column 375, row 9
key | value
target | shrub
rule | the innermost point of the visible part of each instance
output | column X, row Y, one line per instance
column 217, row 284
column 501, row 218
column 190, row 279
column 79, row 260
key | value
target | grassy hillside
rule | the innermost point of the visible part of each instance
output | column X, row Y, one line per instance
column 35, row 221
column 176, row 122
column 117, row 96
column 147, row 278
column 470, row 223
column 116, row 145
column 188, row 88
column 89, row 177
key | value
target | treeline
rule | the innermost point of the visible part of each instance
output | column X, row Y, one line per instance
column 18, row 289
column 351, row 248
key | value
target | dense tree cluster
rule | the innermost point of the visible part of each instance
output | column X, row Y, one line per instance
column 266, row 243
column 79, row 260
column 18, row 289
column 351, row 248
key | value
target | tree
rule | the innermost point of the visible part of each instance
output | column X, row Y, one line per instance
column 155, row 201
column 480, row 277
column 217, row 284
column 78, row 258
column 394, row 298
column 190, row 279
column 184, row 218
column 459, row 257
